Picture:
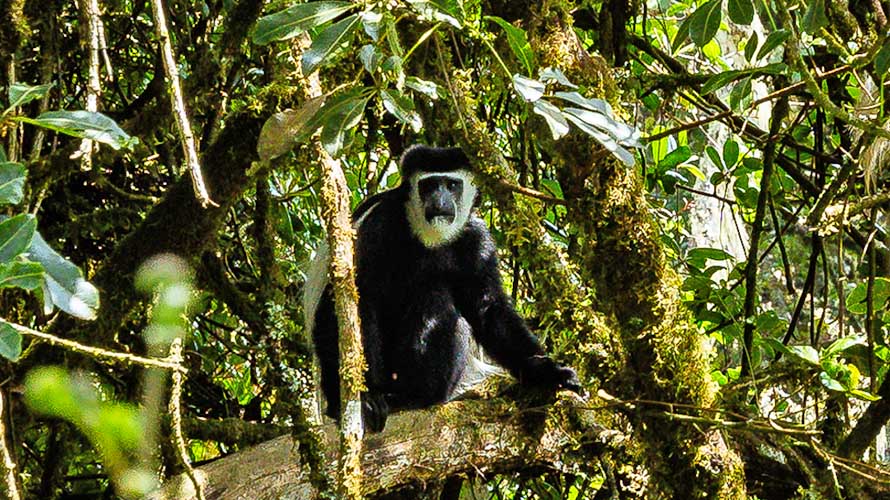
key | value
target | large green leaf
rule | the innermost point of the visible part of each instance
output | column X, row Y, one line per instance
column 85, row 124
column 772, row 41
column 518, row 42
column 294, row 20
column 21, row 94
column 705, row 22
column 64, row 284
column 722, row 79
column 327, row 42
column 16, row 234
column 10, row 342
column 740, row 11
column 402, row 107
column 21, row 274
column 12, row 180
column 882, row 60
column 339, row 116
column 856, row 300
column 815, row 17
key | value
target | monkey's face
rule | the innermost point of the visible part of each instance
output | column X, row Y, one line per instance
column 439, row 205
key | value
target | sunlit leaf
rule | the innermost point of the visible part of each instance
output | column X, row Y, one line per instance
column 607, row 141
column 554, row 117
column 548, row 75
column 436, row 10
column 402, row 108
column 867, row 396
column 339, row 116
column 425, row 87
column 371, row 23
column 530, row 90
column 805, row 353
column 327, row 42
column 64, row 284
column 830, row 383
column 856, row 300
column 730, row 153
column 370, row 58
column 84, row 124
column 294, row 20
column 593, row 104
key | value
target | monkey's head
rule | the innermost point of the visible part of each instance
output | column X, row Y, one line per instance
column 441, row 193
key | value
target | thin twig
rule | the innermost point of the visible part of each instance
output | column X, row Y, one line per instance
column 175, row 408
column 182, row 121
column 9, row 467
column 97, row 352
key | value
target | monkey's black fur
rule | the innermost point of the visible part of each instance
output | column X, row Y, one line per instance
column 413, row 300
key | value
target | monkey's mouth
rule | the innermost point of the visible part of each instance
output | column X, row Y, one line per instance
column 439, row 216
column 440, row 220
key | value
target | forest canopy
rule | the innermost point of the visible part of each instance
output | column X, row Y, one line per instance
column 689, row 201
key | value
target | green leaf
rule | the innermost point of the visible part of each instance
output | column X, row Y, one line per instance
column 530, row 90
column 772, row 41
column 292, row 21
column 739, row 93
column 518, row 42
column 435, row 10
column 675, row 157
column 814, row 19
column 805, row 353
column 830, row 383
column 371, row 23
column 705, row 22
column 49, row 390
column 842, row 344
column 730, row 153
column 554, row 117
column 682, row 34
column 16, row 234
column 425, row 87
column 867, row 396
column 285, row 129
column 12, row 181
column 84, row 124
column 10, row 342
column 751, row 46
column 327, row 42
column 402, row 107
column 19, row 274
column 370, row 58
column 856, row 300
column 882, row 60
column 64, row 284
column 21, row 94
column 339, row 116
column 740, row 11
column 722, row 79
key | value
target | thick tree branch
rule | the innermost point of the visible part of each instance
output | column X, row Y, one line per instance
column 473, row 437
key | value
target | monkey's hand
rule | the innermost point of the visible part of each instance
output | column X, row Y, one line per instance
column 542, row 371
column 374, row 411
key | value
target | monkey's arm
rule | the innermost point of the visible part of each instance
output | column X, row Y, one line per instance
column 503, row 333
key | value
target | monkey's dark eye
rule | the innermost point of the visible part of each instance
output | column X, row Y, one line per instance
column 453, row 184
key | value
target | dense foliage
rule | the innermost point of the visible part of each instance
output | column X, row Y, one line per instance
column 730, row 156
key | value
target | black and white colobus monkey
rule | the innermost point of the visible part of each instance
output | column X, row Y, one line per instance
column 427, row 276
